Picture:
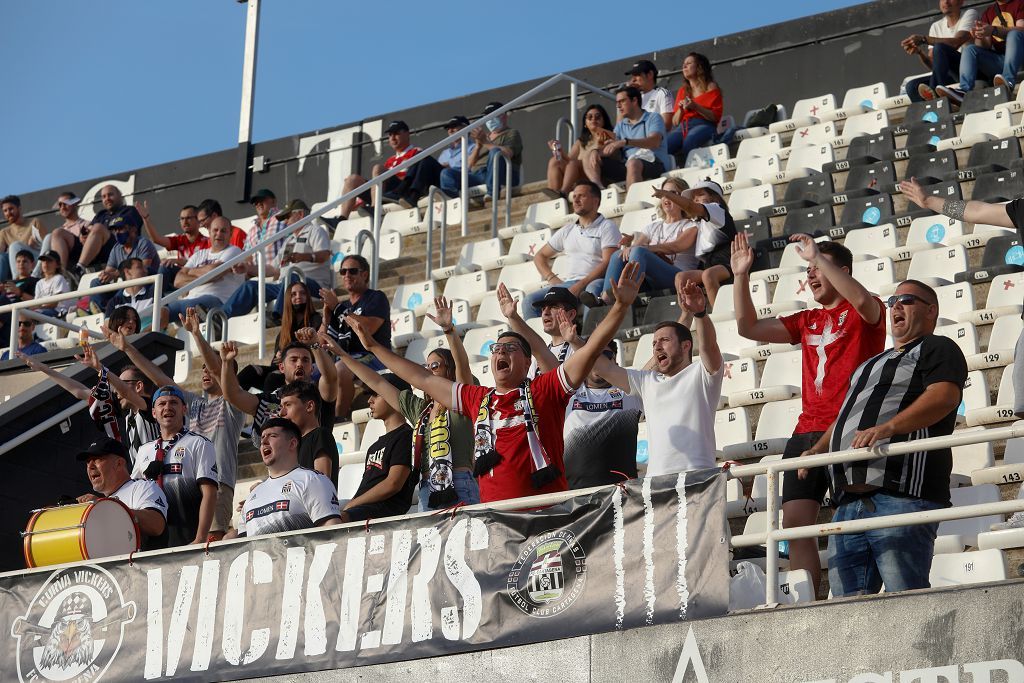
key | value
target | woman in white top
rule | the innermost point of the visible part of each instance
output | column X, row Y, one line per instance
column 52, row 282
column 662, row 248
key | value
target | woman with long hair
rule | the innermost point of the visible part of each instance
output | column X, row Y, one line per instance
column 297, row 314
column 698, row 108
column 563, row 173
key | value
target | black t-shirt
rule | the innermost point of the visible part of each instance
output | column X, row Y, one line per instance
column 114, row 217
column 374, row 304
column 27, row 285
column 270, row 406
column 394, row 448
column 314, row 442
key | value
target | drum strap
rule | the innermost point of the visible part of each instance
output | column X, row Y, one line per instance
column 161, row 451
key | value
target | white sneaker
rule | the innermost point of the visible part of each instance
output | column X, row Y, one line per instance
column 1015, row 522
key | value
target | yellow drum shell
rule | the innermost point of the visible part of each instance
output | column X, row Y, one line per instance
column 85, row 531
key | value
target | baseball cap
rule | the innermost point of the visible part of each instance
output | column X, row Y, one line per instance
column 457, row 122
column 643, row 66
column 396, row 126
column 169, row 390
column 67, row 201
column 707, row 184
column 261, row 195
column 103, row 447
column 492, row 106
column 557, row 295
column 293, row 205
column 50, row 256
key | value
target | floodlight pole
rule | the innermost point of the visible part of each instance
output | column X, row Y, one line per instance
column 244, row 159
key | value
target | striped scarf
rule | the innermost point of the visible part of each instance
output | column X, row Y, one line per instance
column 441, row 473
column 487, row 456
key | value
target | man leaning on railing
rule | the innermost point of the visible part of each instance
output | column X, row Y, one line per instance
column 909, row 392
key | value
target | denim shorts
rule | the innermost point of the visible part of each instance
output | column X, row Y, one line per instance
column 900, row 557
column 465, row 486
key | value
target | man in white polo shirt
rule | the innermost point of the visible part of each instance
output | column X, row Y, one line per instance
column 215, row 292
column 588, row 243
column 679, row 396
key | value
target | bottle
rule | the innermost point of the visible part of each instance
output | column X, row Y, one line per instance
column 556, row 149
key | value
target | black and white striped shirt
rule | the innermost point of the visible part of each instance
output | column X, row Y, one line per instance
column 882, row 387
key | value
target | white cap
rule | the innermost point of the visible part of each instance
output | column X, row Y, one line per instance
column 708, row 184
column 69, row 201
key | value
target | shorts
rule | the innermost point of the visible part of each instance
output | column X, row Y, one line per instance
column 815, row 486
column 222, row 512
column 613, row 169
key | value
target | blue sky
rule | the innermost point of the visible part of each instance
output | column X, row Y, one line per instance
column 104, row 86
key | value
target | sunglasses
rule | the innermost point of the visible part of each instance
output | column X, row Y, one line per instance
column 903, row 300
column 433, row 365
column 350, row 271
column 507, row 347
column 25, row 323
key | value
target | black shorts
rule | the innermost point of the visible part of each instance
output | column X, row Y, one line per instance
column 613, row 169
column 815, row 486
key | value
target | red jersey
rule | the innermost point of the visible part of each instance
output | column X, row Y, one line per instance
column 1007, row 16
column 396, row 159
column 185, row 248
column 238, row 237
column 511, row 477
column 834, row 341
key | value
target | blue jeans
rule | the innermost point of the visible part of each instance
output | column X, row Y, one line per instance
column 465, row 486
column 945, row 70
column 901, row 557
column 246, row 297
column 451, row 178
column 659, row 274
column 9, row 264
column 594, row 288
column 698, row 132
column 176, row 308
column 977, row 61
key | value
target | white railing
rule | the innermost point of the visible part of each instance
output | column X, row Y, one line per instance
column 20, row 308
column 773, row 535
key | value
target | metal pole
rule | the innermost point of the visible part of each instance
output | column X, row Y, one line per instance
column 13, row 346
column 772, row 548
column 508, row 191
column 158, row 288
column 378, row 221
column 574, row 114
column 261, row 302
column 252, row 30
column 464, row 184
column 495, row 182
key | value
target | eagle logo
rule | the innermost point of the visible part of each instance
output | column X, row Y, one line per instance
column 73, row 627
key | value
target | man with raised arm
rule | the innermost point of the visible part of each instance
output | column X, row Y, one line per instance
column 557, row 303
column 209, row 414
column 300, row 403
column 679, row 396
column 909, row 392
column 442, row 439
column 108, row 465
column 518, row 430
column 1009, row 215
column 846, row 330
column 184, row 465
column 292, row 497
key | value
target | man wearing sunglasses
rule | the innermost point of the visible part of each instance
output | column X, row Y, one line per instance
column 27, row 344
column 518, row 439
column 911, row 391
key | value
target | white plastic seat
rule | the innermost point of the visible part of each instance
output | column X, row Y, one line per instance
column 859, row 100
column 403, row 327
column 449, row 210
column 471, row 257
column 734, row 345
column 552, row 214
column 754, row 171
column 482, row 372
column 870, row 243
column 877, row 275
column 415, row 296
column 523, row 248
column 634, row 221
column 521, row 276
column 349, row 478
column 789, row 262
column 979, row 127
column 1002, row 411
column 814, row 134
column 774, row 427
column 370, row 432
column 976, row 566
column 956, row 302
column 706, row 157
column 403, row 221
column 806, row 112
column 88, row 281
column 182, row 365
column 969, row 528
column 965, row 336
column 792, row 293
column 1001, row 343
column 244, row 329
column 970, row 458
column 754, row 147
column 644, row 351
column 346, row 435
column 732, row 426
column 348, row 229
column 741, row 376
column 724, row 301
column 692, row 176
column 419, row 348
column 611, row 201
column 780, row 380
column 975, row 393
column 1010, row 471
column 868, row 123
column 489, row 312
column 803, row 161
column 471, row 287
column 745, row 202
column 1004, row 298
column 936, row 267
column 478, row 341
column 461, row 317
column 640, row 192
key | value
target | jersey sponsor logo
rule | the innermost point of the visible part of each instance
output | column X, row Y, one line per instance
column 596, row 407
column 172, row 468
column 268, row 509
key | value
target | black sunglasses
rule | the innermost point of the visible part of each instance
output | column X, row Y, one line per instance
column 904, row 300
column 350, row 271
column 25, row 323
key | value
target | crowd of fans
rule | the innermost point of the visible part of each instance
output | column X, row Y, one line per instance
column 562, row 413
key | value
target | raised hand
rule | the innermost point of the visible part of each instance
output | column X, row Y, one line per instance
column 325, row 318
column 566, row 327
column 742, row 259
column 190, row 321
column 329, row 298
column 626, row 289
column 913, row 191
column 692, row 298
column 443, row 317
column 509, row 306
column 228, row 351
column 356, row 325
column 808, row 248
column 142, row 206
column 89, row 357
column 306, row 335
column 116, row 339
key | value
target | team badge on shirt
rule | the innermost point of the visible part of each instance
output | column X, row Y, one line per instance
column 842, row 318
column 287, row 487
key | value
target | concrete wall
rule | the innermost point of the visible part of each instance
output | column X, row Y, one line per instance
column 969, row 635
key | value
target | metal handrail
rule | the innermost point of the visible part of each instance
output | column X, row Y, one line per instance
column 58, row 322
column 496, row 162
column 211, row 316
column 773, row 534
column 434, row 191
column 563, row 122
column 15, row 309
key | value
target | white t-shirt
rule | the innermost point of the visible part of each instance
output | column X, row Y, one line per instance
column 583, row 246
column 229, row 281
column 709, row 232
column 660, row 232
column 54, row 285
column 657, row 100
column 562, row 352
column 300, row 499
column 940, row 29
column 141, row 494
column 680, row 416
column 307, row 240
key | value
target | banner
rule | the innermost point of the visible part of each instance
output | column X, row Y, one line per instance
column 652, row 551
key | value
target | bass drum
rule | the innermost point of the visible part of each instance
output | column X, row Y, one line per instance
column 84, row 531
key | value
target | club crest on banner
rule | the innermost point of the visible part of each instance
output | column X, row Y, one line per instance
column 73, row 627
column 549, row 574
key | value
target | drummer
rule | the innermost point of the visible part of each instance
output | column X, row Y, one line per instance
column 106, row 464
